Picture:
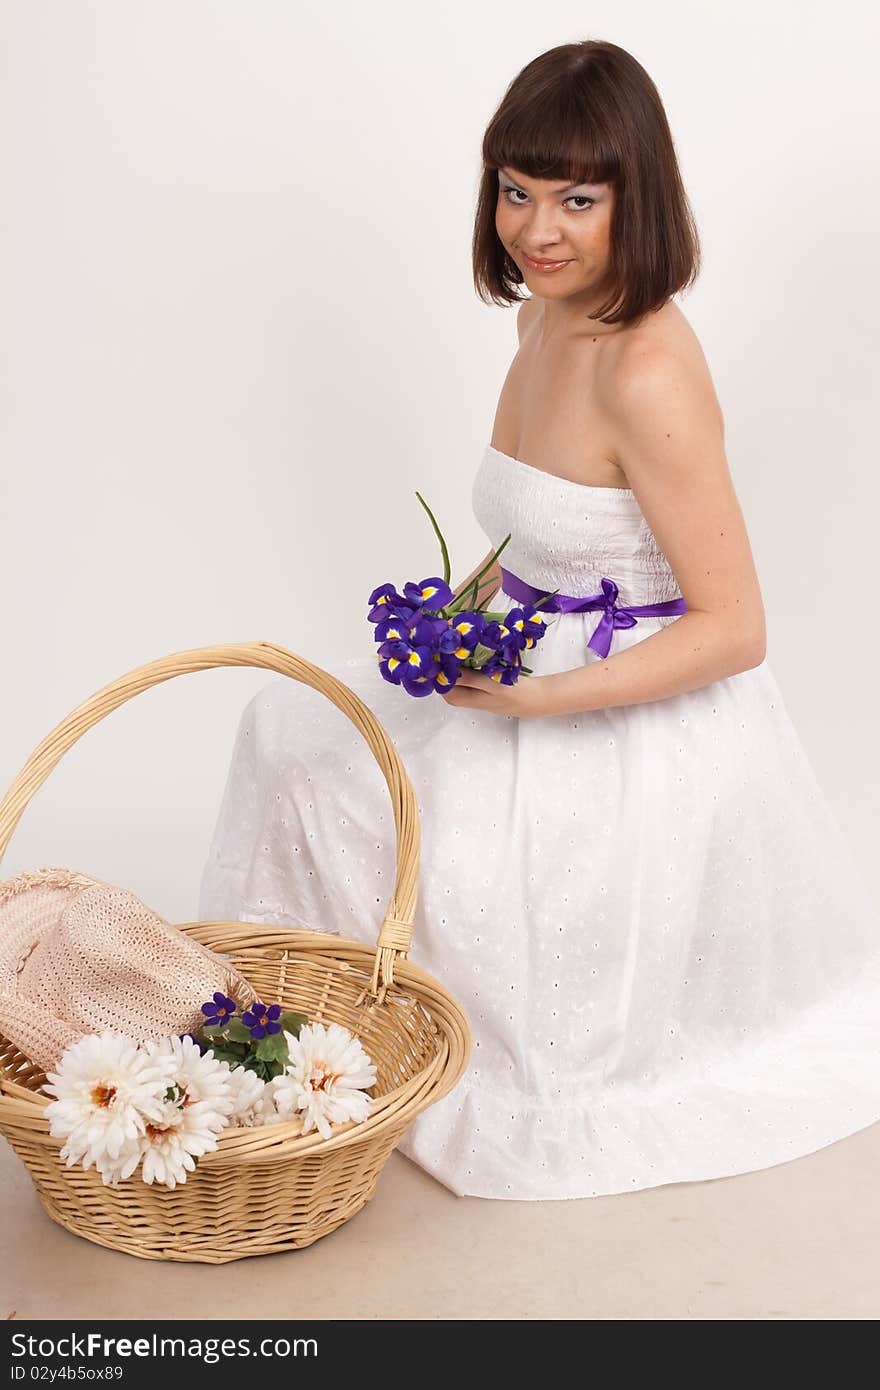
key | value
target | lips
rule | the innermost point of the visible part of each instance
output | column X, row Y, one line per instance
column 542, row 265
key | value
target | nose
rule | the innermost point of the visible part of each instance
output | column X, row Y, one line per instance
column 540, row 235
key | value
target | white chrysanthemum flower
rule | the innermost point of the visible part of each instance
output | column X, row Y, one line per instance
column 175, row 1139
column 199, row 1076
column 197, row 1105
column 106, row 1090
column 324, row 1078
column 114, row 1170
column 284, row 1092
column 252, row 1103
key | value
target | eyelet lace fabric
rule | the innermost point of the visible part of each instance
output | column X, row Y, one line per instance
column 669, row 959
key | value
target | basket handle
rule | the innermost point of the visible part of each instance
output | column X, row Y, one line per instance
column 395, row 933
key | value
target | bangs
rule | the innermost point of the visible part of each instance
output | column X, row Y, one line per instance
column 556, row 138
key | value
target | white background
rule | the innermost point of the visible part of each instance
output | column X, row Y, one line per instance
column 239, row 332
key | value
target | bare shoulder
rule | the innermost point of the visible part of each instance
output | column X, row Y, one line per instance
column 667, row 429
column 526, row 315
column 660, row 359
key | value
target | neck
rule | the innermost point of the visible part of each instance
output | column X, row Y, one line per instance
column 566, row 317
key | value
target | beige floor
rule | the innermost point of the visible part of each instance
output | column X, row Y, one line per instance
column 798, row 1241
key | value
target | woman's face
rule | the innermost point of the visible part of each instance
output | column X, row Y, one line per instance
column 552, row 221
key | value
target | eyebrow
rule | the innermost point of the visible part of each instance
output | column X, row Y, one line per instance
column 581, row 183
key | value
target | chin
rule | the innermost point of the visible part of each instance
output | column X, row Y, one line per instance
column 545, row 287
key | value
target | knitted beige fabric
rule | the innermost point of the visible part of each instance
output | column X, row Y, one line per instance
column 80, row 956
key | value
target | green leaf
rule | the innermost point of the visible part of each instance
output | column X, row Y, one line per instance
column 545, row 598
column 443, row 550
column 233, row 1053
column 468, row 598
column 472, row 589
column 213, row 1029
column 238, row 1032
column 272, row 1048
column 264, row 1069
column 484, row 583
column 292, row 1022
column 482, row 653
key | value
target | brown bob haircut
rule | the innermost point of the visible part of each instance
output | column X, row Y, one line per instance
column 589, row 113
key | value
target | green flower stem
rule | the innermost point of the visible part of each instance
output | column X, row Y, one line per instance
column 443, row 550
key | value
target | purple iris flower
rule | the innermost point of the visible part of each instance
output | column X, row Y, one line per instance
column 386, row 601
column 462, row 633
column 219, row 1009
column 432, row 594
column 261, row 1019
column 447, row 669
column 528, row 621
column 401, row 662
column 503, row 633
column 506, row 670
column 428, row 652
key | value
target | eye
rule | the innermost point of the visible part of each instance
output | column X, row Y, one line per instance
column 572, row 197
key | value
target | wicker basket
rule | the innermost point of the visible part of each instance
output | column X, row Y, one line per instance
column 265, row 1188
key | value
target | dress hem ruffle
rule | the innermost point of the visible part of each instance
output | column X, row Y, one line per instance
column 765, row 1105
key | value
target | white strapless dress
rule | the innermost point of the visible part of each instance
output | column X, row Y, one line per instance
column 669, row 960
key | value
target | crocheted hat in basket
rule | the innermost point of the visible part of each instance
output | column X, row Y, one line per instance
column 81, row 956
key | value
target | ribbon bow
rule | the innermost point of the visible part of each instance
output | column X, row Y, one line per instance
column 613, row 615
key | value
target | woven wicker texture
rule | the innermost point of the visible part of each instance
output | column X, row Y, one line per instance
column 266, row 1188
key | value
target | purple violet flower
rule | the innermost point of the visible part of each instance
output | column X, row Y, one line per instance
column 219, row 1009
column 261, row 1019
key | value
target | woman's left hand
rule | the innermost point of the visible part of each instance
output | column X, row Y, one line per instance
column 473, row 690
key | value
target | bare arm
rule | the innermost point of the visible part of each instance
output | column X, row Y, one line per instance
column 487, row 593
column 672, row 453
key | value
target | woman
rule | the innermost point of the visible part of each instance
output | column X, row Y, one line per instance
column 630, row 877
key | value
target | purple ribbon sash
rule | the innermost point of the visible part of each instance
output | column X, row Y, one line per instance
column 614, row 615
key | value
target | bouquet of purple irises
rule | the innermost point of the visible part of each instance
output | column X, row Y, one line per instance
column 427, row 635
